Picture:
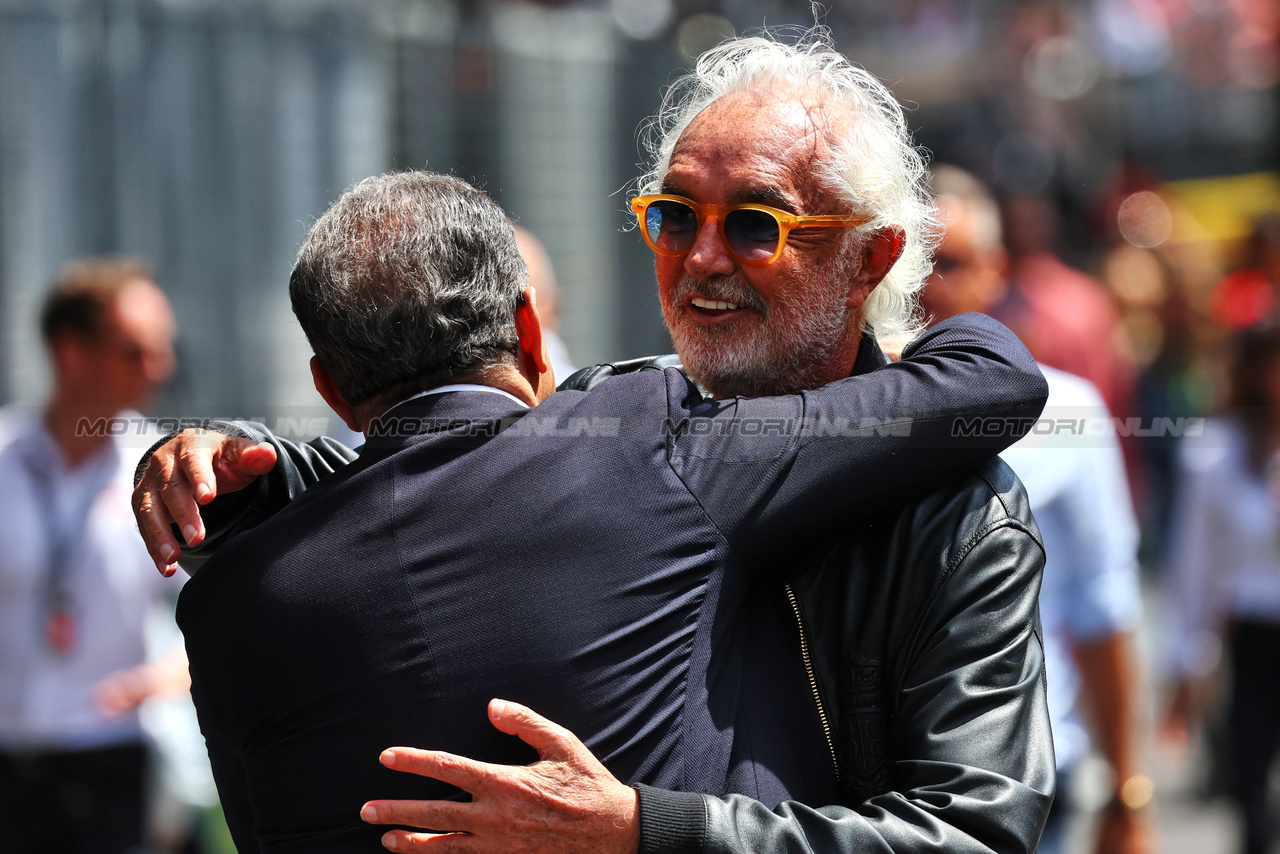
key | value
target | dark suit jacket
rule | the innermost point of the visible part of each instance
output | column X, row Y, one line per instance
column 587, row 558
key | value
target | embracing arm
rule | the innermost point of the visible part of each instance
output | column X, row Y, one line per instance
column 974, row 770
column 240, row 471
column 964, row 391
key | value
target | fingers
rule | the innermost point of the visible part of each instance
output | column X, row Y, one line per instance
column 467, row 774
column 551, row 740
column 238, row 462
column 195, row 454
column 437, row 816
column 256, row 460
column 185, row 472
column 154, row 520
column 190, row 479
column 407, row 842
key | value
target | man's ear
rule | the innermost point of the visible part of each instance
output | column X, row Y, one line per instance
column 533, row 360
column 878, row 257
column 328, row 389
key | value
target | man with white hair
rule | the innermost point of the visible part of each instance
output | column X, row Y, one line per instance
column 787, row 211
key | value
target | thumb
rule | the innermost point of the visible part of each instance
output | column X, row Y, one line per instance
column 257, row 459
column 551, row 740
column 239, row 463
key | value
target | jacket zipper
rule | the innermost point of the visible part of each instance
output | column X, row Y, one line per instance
column 813, row 679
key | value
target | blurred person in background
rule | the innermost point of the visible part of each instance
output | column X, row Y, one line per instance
column 1225, row 576
column 1090, row 601
column 1172, row 347
column 1064, row 316
column 542, row 278
column 76, row 584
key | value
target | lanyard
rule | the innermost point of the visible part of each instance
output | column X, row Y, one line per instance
column 62, row 533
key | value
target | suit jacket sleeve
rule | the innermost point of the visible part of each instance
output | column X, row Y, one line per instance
column 774, row 471
column 975, row 772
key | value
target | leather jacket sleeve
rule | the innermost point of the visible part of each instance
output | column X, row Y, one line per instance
column 928, row 650
column 298, row 467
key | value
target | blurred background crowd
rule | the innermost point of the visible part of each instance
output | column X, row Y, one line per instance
column 1133, row 147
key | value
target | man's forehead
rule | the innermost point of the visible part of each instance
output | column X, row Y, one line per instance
column 761, row 145
column 141, row 313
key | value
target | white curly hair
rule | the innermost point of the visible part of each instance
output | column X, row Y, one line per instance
column 875, row 167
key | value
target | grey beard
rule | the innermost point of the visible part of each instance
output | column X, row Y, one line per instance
column 791, row 350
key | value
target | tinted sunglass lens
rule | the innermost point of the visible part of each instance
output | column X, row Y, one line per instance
column 752, row 234
column 672, row 226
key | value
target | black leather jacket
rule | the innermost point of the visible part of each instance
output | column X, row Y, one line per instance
column 921, row 634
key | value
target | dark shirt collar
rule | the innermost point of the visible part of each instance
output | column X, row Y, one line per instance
column 870, row 356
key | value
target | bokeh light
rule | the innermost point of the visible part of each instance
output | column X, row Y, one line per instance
column 642, row 19
column 1061, row 68
column 1144, row 220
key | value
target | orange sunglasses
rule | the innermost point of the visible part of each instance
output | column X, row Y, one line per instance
column 753, row 234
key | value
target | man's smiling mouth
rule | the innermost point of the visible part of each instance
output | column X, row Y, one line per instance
column 714, row 305
column 709, row 310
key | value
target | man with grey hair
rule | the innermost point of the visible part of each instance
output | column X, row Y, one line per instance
column 933, row 732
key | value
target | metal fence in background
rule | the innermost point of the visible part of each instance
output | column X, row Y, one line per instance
column 208, row 135
column 204, row 136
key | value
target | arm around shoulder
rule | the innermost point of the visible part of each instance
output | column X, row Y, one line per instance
column 240, row 471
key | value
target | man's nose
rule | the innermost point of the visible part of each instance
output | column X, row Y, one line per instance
column 709, row 256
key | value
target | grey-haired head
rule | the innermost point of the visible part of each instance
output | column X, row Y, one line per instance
column 873, row 165
column 408, row 280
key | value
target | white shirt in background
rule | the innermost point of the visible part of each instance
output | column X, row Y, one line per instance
column 46, row 699
column 1080, row 498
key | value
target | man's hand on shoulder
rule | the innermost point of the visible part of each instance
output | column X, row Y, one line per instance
column 566, row 803
column 185, row 472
